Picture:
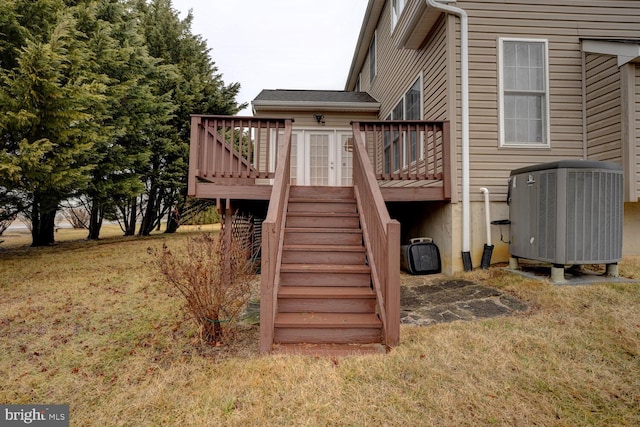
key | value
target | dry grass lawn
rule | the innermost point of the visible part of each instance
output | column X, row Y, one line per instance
column 90, row 324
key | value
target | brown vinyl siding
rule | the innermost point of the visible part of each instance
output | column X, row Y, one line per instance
column 562, row 24
column 398, row 69
column 637, row 141
column 604, row 131
column 435, row 76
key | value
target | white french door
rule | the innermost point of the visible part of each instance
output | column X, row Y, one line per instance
column 321, row 157
column 320, row 168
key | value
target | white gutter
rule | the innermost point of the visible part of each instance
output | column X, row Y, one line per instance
column 464, row 78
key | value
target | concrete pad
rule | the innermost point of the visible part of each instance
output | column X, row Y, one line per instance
column 572, row 276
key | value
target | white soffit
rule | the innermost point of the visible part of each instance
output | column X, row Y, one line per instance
column 415, row 25
column 626, row 50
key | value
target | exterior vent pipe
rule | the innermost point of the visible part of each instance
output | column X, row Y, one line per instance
column 464, row 78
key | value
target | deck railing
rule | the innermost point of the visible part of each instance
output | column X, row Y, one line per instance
column 272, row 241
column 233, row 150
column 229, row 150
column 408, row 150
column 382, row 240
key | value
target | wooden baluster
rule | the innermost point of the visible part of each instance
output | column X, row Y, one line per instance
column 425, row 152
column 249, row 131
column 216, row 157
column 232, row 148
column 258, row 151
column 267, row 165
column 207, row 152
column 402, row 140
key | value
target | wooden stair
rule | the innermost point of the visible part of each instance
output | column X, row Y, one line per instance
column 326, row 305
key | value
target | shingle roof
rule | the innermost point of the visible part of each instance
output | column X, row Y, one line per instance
column 319, row 96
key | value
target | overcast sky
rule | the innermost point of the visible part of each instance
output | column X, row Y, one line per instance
column 278, row 44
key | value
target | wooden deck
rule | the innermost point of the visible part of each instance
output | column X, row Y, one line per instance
column 330, row 266
column 235, row 158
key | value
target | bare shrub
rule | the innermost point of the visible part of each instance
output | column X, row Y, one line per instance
column 26, row 220
column 78, row 216
column 214, row 275
column 4, row 224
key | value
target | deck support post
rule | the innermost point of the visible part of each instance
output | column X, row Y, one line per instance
column 228, row 236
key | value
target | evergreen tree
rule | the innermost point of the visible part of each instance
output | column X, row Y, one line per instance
column 49, row 103
column 134, row 111
column 95, row 99
column 195, row 87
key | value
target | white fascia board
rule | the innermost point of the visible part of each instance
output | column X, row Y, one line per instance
column 369, row 24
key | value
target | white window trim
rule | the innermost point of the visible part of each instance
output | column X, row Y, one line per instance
column 546, row 114
column 374, row 42
column 396, row 18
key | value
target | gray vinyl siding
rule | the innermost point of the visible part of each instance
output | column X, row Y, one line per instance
column 562, row 24
column 603, row 108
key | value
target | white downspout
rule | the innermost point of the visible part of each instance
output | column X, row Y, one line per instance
column 464, row 78
column 488, row 247
column 487, row 213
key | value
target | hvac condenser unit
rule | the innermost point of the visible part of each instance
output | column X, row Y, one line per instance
column 566, row 213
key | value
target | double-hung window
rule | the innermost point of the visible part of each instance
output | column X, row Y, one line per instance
column 524, row 93
column 408, row 108
column 413, row 111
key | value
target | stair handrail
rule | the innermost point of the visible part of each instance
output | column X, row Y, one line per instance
column 272, row 241
column 382, row 240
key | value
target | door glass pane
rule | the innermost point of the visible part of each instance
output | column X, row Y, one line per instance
column 319, row 159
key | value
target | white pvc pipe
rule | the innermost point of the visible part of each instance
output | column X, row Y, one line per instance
column 487, row 213
column 464, row 78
